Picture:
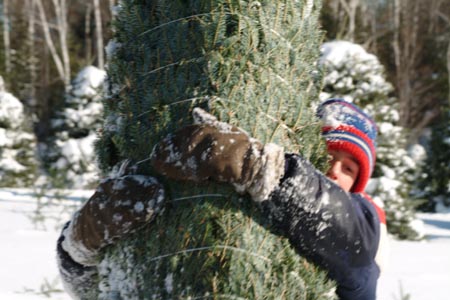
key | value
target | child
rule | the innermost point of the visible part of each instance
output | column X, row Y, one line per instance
column 327, row 218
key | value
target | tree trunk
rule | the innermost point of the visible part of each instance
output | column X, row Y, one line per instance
column 350, row 7
column 448, row 69
column 87, row 33
column 99, row 35
column 6, row 38
column 51, row 46
column 32, row 59
column 353, row 5
column 61, row 21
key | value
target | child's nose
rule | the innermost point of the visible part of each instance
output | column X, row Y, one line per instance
column 334, row 170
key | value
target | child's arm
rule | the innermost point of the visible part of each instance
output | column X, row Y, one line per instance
column 221, row 152
column 118, row 207
column 79, row 281
column 337, row 230
column 308, row 204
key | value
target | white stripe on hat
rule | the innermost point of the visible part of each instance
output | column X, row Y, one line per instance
column 361, row 143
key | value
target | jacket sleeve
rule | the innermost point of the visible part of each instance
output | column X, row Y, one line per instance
column 79, row 281
column 337, row 230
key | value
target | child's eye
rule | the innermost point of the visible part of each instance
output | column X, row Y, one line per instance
column 350, row 169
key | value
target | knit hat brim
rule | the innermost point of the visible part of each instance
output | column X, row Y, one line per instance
column 358, row 145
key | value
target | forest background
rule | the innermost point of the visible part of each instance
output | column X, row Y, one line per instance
column 45, row 45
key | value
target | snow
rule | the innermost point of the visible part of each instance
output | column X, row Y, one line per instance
column 76, row 129
column 11, row 110
column 30, row 226
column 88, row 81
column 420, row 269
column 338, row 52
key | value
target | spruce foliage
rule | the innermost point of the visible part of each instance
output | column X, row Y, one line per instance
column 250, row 63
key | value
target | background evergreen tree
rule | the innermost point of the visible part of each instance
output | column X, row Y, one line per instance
column 435, row 184
column 69, row 152
column 250, row 63
column 18, row 163
column 357, row 76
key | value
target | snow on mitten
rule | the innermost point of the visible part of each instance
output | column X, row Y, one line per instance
column 118, row 207
column 219, row 151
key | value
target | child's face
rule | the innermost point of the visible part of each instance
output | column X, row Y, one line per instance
column 344, row 169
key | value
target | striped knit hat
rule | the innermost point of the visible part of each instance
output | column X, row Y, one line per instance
column 347, row 128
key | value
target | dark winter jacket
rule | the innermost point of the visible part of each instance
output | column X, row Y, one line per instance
column 79, row 281
column 337, row 230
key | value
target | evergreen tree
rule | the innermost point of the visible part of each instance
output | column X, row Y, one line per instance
column 250, row 63
column 69, row 152
column 435, row 185
column 357, row 76
column 17, row 157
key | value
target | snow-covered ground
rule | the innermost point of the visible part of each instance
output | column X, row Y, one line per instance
column 29, row 228
column 420, row 269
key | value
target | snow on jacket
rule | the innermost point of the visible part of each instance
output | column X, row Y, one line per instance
column 337, row 230
column 79, row 281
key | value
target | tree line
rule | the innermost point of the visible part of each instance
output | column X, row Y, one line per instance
column 46, row 42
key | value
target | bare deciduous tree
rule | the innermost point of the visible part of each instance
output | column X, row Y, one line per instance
column 99, row 34
column 350, row 7
column 418, row 104
column 32, row 60
column 448, row 69
column 61, row 61
column 87, row 32
column 6, row 37
column 112, row 4
column 411, row 37
column 446, row 20
column 61, row 21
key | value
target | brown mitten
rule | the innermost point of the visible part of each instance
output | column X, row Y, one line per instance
column 118, row 207
column 221, row 152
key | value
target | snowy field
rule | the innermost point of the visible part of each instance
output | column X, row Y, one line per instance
column 29, row 228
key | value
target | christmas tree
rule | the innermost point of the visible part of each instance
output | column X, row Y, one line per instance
column 250, row 63
column 435, row 184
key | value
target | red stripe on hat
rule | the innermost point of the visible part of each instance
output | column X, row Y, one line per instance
column 353, row 130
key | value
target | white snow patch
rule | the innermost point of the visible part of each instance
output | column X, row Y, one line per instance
column 88, row 81
column 119, row 185
column 139, row 206
column 168, row 282
column 11, row 110
column 338, row 52
column 417, row 152
column 111, row 48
